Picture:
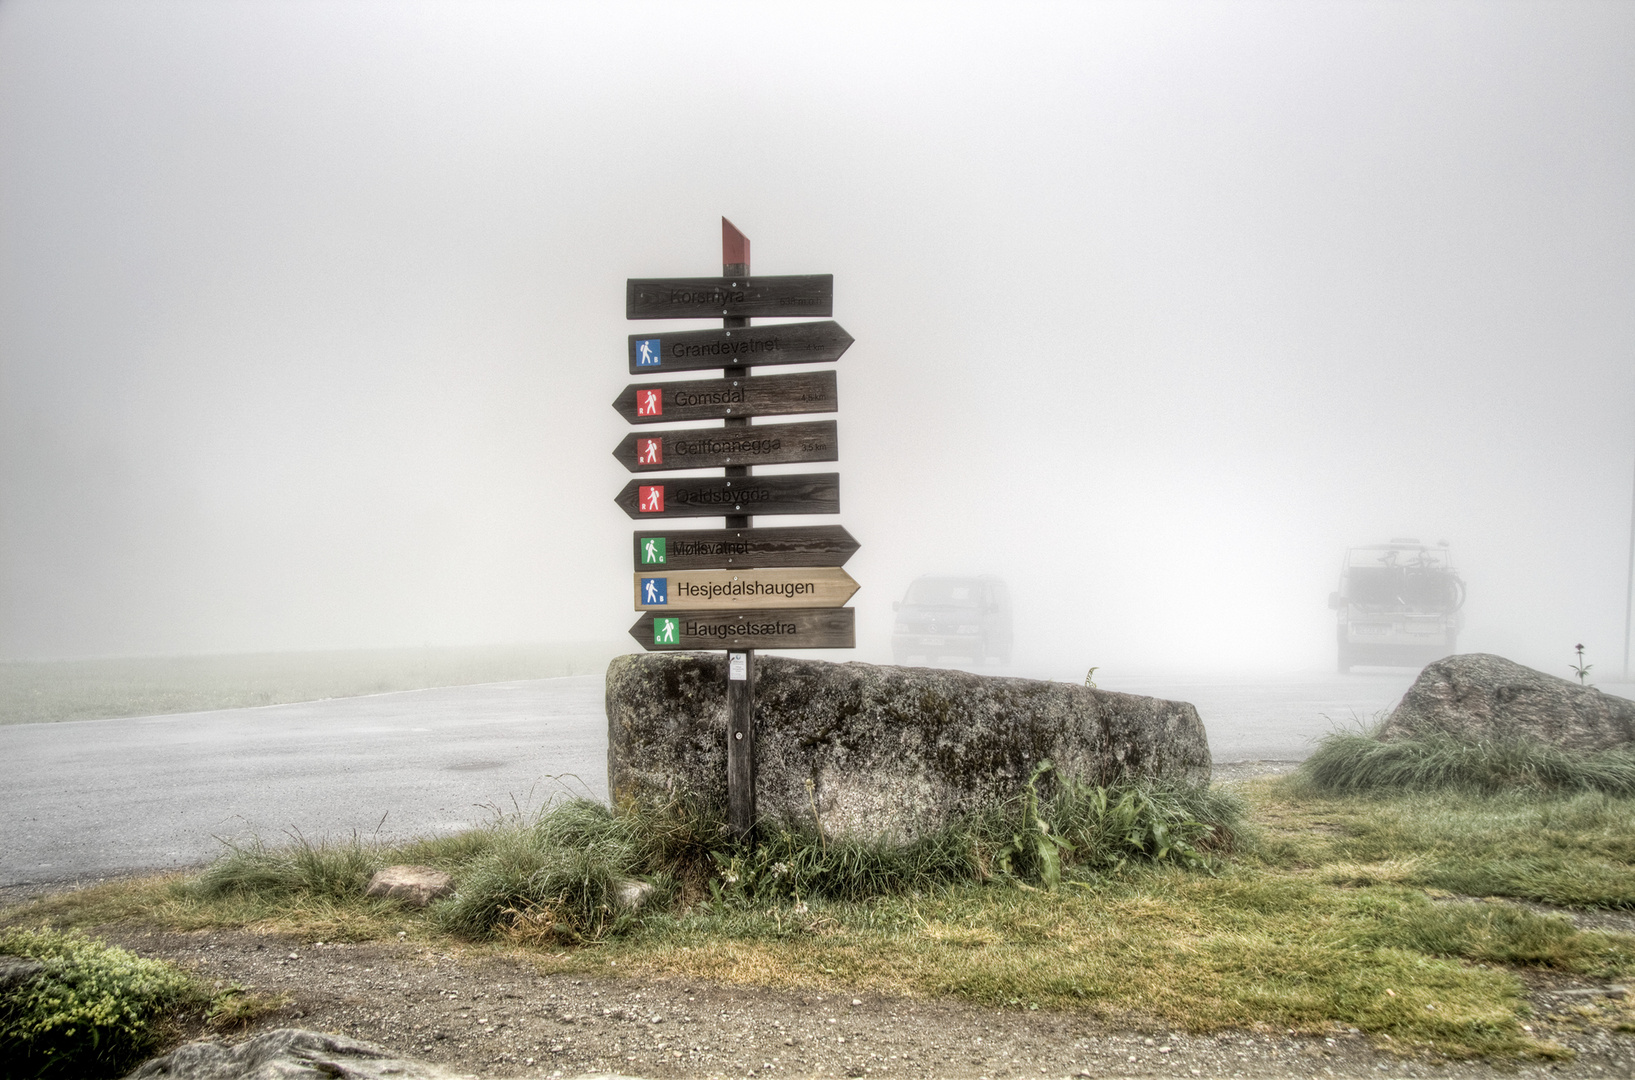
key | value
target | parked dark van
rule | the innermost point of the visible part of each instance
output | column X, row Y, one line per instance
column 966, row 618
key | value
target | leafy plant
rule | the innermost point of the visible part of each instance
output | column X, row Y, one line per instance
column 92, row 1010
column 1581, row 668
column 1033, row 850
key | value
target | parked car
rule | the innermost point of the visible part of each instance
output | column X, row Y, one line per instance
column 1398, row 604
column 968, row 618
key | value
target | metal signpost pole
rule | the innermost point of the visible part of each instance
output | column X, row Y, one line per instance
column 740, row 664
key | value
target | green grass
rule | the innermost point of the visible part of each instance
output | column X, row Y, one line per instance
column 1354, row 762
column 56, row 690
column 1167, row 905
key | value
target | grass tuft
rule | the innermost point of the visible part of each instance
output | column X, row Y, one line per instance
column 1355, row 762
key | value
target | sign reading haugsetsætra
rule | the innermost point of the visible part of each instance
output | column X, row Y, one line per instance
column 762, row 628
column 712, row 448
column 779, row 587
column 741, row 346
column 736, row 297
column 707, row 549
column 717, row 399
column 714, row 496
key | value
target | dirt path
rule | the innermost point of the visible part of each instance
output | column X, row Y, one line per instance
column 495, row 1017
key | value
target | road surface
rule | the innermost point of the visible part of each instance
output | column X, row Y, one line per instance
column 94, row 797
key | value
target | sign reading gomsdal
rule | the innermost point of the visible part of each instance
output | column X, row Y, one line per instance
column 717, row 399
column 707, row 549
column 781, row 587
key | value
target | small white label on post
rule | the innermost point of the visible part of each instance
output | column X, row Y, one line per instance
column 738, row 666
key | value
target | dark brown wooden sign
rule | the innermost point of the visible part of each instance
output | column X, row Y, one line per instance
column 736, row 297
column 738, row 346
column 794, row 628
column 712, row 448
column 713, row 549
column 715, row 496
column 714, row 399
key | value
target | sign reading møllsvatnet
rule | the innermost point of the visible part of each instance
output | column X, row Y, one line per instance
column 764, row 628
column 713, row 448
column 739, row 346
column 715, row 496
column 707, row 549
column 717, row 399
column 738, row 297
column 782, row 587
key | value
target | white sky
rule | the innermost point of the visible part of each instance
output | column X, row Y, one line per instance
column 311, row 313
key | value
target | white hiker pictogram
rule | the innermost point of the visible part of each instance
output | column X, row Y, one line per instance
column 652, row 499
column 650, row 590
column 647, row 358
column 650, row 550
column 664, row 631
column 650, row 453
column 651, row 404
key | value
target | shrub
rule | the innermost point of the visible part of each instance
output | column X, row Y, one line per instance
column 94, row 1010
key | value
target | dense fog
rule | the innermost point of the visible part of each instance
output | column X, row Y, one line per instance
column 311, row 314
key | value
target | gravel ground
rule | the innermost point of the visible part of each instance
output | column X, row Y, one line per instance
column 497, row 1017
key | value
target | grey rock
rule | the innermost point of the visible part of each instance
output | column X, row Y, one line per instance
column 15, row 972
column 288, row 1054
column 1479, row 696
column 888, row 751
column 416, row 886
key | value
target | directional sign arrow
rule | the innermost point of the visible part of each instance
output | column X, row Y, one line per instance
column 784, row 587
column 711, row 448
column 714, row 496
column 715, row 399
column 713, row 298
column 795, row 628
column 743, row 346
column 709, row 549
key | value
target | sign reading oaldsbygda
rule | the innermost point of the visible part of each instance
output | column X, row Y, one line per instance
column 759, row 628
column 786, row 587
column 712, row 448
column 714, row 496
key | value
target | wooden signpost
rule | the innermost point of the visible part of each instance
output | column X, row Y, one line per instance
column 737, row 588
column 713, row 496
column 774, row 587
column 690, row 350
column 703, row 549
column 714, row 448
column 717, row 399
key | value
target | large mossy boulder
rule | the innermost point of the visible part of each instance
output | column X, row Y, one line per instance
column 880, row 751
column 1478, row 697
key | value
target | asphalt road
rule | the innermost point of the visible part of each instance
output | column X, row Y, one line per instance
column 93, row 797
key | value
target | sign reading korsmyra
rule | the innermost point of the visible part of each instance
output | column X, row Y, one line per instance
column 709, row 549
column 734, row 297
column 761, row 628
column 714, row 496
column 780, row 587
column 714, row 399
column 712, row 448
column 739, row 346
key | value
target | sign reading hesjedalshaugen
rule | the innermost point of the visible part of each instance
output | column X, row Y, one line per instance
column 780, row 587
column 712, row 448
column 715, row 496
column 709, row 549
column 718, row 297
column 794, row 628
column 744, row 346
column 717, row 399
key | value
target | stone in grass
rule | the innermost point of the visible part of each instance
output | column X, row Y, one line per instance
column 416, row 886
column 887, row 751
column 1478, row 696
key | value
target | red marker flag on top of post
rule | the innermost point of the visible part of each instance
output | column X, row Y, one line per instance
column 734, row 246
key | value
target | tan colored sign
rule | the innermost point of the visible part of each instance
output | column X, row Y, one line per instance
column 775, row 587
